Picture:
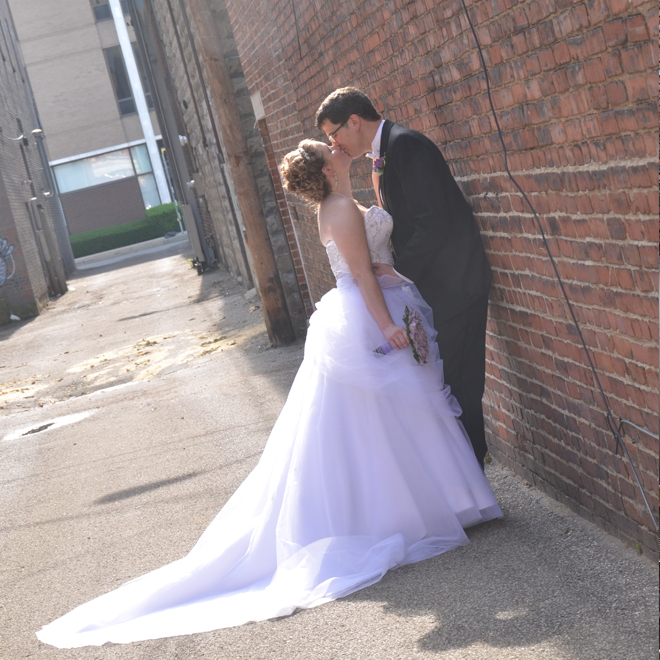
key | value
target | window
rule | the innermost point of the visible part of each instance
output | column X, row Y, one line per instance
column 142, row 166
column 143, row 79
column 149, row 190
column 93, row 171
column 141, row 161
column 109, row 167
column 121, row 83
column 102, row 9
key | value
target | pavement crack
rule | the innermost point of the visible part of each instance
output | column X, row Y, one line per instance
column 38, row 429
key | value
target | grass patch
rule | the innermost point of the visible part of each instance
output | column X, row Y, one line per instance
column 159, row 220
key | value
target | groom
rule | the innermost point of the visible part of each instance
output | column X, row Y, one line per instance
column 436, row 240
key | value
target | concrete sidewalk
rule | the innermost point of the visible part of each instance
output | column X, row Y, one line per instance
column 138, row 402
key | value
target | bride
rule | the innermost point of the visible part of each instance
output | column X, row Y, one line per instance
column 366, row 469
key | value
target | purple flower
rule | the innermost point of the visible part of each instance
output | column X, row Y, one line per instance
column 379, row 165
column 419, row 341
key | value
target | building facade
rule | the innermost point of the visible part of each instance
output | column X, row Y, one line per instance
column 89, row 110
column 35, row 254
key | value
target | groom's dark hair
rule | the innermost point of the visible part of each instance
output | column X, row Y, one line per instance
column 343, row 103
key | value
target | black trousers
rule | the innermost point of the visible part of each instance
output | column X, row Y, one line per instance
column 462, row 344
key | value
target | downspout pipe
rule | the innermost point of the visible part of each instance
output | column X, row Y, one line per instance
column 140, row 101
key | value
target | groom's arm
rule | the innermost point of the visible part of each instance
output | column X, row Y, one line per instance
column 419, row 167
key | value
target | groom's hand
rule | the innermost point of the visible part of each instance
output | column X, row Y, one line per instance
column 383, row 269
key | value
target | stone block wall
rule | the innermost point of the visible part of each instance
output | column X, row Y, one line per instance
column 213, row 181
column 575, row 85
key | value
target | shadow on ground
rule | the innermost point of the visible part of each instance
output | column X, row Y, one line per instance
column 536, row 579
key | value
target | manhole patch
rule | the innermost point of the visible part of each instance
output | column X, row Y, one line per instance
column 50, row 424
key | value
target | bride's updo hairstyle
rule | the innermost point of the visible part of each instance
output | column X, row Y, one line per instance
column 302, row 174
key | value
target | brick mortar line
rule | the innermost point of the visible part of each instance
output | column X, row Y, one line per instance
column 507, row 85
column 459, row 15
column 616, row 241
column 577, row 506
column 604, row 482
column 546, row 448
column 568, row 379
column 568, row 322
column 649, row 320
column 553, row 121
column 652, row 295
column 546, row 371
column 574, row 242
column 466, row 178
column 52, row 33
column 554, row 422
column 561, row 67
column 578, row 283
column 535, row 194
column 587, row 167
column 502, row 175
column 573, row 260
column 565, row 478
column 576, row 502
column 54, row 59
column 578, row 216
column 566, row 319
column 472, row 48
column 645, row 343
column 567, row 280
column 566, row 193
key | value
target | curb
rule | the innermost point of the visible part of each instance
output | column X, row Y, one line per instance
column 118, row 254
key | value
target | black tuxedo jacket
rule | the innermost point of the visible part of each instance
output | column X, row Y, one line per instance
column 436, row 239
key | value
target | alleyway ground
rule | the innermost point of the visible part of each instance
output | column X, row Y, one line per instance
column 176, row 390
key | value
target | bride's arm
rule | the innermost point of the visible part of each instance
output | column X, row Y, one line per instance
column 375, row 180
column 346, row 226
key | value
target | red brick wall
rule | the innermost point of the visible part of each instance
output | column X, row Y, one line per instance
column 575, row 87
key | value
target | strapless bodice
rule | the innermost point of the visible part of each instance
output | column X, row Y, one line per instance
column 378, row 225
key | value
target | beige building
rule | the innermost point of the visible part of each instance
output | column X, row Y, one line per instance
column 89, row 110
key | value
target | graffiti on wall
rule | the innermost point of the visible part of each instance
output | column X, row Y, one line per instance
column 7, row 265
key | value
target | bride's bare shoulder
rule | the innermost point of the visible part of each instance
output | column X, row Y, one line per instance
column 338, row 206
column 335, row 200
column 338, row 213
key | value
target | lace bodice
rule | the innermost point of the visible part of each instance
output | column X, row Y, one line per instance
column 378, row 225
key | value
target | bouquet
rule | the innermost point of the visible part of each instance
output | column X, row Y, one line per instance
column 419, row 342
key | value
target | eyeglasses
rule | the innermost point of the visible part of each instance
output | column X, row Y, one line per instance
column 331, row 136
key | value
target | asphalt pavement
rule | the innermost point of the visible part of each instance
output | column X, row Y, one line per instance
column 134, row 406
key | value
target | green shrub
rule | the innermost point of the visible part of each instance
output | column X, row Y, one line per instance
column 159, row 220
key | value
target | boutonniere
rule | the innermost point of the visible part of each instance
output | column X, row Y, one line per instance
column 379, row 165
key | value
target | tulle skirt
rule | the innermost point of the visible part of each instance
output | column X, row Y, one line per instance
column 367, row 468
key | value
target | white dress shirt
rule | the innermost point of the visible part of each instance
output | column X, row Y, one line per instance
column 375, row 145
column 373, row 154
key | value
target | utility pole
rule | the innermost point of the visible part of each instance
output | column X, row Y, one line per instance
column 273, row 303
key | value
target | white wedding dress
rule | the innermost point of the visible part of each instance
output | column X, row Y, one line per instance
column 366, row 469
